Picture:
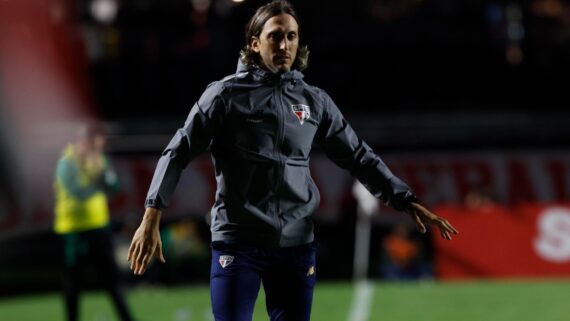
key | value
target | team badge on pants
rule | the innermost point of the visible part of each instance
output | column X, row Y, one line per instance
column 302, row 112
column 226, row 260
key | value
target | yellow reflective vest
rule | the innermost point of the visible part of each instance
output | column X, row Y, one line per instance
column 80, row 200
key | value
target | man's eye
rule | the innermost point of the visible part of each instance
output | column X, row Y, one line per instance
column 291, row 36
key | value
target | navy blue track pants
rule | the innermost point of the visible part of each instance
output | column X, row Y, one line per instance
column 288, row 276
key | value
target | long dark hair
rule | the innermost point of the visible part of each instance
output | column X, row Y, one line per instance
column 255, row 26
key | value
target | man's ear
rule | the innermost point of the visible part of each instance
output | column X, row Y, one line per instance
column 255, row 44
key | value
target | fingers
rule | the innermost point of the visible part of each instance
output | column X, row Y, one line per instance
column 134, row 258
column 445, row 234
column 146, row 256
column 160, row 255
column 140, row 256
column 451, row 228
column 144, row 263
column 131, row 250
column 447, row 226
column 446, row 229
column 420, row 214
column 419, row 224
column 138, row 260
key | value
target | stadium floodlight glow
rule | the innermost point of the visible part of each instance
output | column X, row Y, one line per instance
column 201, row 5
column 104, row 11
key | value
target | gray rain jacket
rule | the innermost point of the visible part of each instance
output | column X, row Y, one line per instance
column 260, row 128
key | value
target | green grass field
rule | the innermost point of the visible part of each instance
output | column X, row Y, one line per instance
column 465, row 301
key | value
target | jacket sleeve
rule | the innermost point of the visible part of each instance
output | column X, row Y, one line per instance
column 188, row 142
column 347, row 150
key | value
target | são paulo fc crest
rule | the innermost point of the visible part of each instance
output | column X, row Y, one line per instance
column 226, row 260
column 302, row 112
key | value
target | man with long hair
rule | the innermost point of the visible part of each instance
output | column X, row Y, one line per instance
column 260, row 125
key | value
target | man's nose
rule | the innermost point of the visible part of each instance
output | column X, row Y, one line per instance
column 283, row 44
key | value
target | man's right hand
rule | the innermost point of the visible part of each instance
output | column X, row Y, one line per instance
column 146, row 242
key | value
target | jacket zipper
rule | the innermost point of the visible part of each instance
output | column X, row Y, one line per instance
column 278, row 145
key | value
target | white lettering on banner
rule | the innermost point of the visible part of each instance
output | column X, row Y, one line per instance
column 435, row 177
column 553, row 242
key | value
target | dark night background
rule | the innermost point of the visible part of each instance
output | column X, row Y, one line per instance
column 376, row 57
column 427, row 76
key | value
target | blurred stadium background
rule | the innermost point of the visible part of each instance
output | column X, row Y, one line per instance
column 467, row 101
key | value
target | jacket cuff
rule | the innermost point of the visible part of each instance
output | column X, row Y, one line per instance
column 401, row 201
column 154, row 203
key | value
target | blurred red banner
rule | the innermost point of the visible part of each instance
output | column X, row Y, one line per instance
column 530, row 240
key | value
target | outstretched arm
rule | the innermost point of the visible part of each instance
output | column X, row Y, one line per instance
column 423, row 216
column 347, row 150
column 146, row 243
column 188, row 142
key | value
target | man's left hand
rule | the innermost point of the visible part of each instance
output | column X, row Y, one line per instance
column 423, row 216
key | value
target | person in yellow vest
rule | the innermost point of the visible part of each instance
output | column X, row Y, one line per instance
column 83, row 179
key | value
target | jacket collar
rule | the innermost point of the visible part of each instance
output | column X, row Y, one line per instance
column 261, row 73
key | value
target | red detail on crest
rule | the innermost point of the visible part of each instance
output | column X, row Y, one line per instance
column 302, row 112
